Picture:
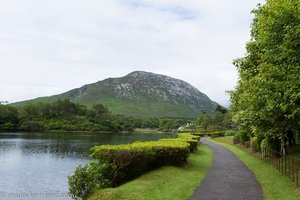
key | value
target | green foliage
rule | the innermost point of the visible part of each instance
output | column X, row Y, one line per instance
column 138, row 96
column 236, row 139
column 230, row 133
column 264, row 144
column 86, row 179
column 270, row 144
column 134, row 159
column 120, row 163
column 255, row 145
column 247, row 144
column 68, row 116
column 167, row 125
column 266, row 100
column 31, row 126
column 9, row 118
column 188, row 136
column 192, row 140
column 274, row 185
column 220, row 120
column 205, row 121
column 244, row 137
column 167, row 183
column 65, row 115
column 221, row 109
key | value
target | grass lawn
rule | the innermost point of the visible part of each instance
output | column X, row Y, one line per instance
column 165, row 183
column 275, row 186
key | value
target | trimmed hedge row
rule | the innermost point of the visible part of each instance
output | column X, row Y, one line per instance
column 134, row 159
column 129, row 161
column 212, row 134
column 193, row 140
column 192, row 143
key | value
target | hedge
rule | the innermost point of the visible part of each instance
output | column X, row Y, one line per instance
column 193, row 140
column 188, row 135
column 211, row 134
column 128, row 161
column 137, row 158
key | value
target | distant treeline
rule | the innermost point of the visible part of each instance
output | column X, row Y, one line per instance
column 64, row 115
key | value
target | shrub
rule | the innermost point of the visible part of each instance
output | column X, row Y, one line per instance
column 255, row 145
column 193, row 140
column 7, row 126
column 134, row 159
column 236, row 138
column 120, row 163
column 273, row 144
column 32, row 126
column 230, row 133
column 87, row 179
column 264, row 144
column 247, row 144
column 244, row 137
column 193, row 144
column 188, row 135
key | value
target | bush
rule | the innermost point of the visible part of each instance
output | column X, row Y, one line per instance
column 264, row 144
column 189, row 136
column 247, row 144
column 193, row 144
column 255, row 145
column 244, row 137
column 7, row 126
column 273, row 144
column 137, row 158
column 230, row 133
column 92, row 176
column 193, row 140
column 31, row 126
column 236, row 138
column 120, row 163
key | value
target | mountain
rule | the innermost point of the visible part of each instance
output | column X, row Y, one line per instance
column 141, row 94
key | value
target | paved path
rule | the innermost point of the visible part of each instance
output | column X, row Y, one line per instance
column 227, row 178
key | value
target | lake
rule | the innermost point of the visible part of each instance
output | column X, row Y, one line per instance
column 36, row 165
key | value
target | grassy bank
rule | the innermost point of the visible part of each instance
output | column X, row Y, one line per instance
column 173, row 183
column 275, row 186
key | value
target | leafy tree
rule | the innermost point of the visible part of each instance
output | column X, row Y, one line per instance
column 9, row 118
column 221, row 109
column 266, row 100
column 217, row 120
column 167, row 125
column 205, row 121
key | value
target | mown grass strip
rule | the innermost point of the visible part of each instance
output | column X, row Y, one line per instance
column 275, row 186
column 165, row 183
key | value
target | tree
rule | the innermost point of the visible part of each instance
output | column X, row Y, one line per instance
column 266, row 100
column 217, row 120
column 221, row 109
column 8, row 117
column 167, row 125
column 205, row 121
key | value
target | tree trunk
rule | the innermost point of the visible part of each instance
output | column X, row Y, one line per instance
column 283, row 147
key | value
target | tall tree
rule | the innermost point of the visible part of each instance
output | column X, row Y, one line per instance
column 266, row 100
column 8, row 117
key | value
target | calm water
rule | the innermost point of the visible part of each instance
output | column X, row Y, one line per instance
column 36, row 165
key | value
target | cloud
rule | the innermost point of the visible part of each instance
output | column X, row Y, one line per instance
column 48, row 47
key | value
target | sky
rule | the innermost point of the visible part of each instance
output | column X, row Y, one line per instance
column 49, row 47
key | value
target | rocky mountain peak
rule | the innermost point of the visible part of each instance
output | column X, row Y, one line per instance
column 143, row 94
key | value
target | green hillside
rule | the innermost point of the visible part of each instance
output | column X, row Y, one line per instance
column 140, row 94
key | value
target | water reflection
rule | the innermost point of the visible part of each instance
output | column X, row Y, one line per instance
column 32, row 163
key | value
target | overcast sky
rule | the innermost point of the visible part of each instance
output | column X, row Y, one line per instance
column 48, row 47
